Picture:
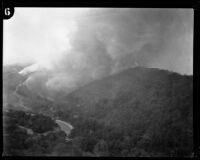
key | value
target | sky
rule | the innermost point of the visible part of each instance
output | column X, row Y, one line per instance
column 78, row 45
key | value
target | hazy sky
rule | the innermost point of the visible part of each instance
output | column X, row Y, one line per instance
column 80, row 44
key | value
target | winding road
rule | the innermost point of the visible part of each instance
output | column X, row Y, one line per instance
column 66, row 127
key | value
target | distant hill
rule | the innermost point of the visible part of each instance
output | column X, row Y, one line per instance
column 143, row 87
column 136, row 80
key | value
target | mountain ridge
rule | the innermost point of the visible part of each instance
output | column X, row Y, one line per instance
column 137, row 74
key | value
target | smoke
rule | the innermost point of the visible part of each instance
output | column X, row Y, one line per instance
column 89, row 44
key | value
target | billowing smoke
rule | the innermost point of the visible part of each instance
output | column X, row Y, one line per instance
column 98, row 42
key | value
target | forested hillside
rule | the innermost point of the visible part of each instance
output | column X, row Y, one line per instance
column 138, row 112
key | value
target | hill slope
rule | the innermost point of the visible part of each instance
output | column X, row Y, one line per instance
column 152, row 107
column 138, row 112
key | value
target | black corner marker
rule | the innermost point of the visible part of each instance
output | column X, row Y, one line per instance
column 8, row 12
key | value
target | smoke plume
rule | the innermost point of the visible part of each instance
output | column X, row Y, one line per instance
column 77, row 46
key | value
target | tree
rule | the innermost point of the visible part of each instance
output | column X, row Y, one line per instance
column 101, row 148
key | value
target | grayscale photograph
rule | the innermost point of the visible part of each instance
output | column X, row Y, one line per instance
column 98, row 82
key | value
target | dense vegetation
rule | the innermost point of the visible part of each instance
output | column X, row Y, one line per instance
column 41, row 141
column 138, row 112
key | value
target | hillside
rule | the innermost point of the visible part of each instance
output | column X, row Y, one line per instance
column 137, row 112
column 150, row 107
column 135, row 80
